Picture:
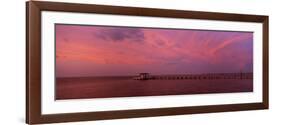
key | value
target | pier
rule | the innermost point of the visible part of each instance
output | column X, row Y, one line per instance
column 147, row 76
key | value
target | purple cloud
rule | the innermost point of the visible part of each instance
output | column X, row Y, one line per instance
column 119, row 34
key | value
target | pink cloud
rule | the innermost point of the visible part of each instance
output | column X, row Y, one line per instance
column 151, row 50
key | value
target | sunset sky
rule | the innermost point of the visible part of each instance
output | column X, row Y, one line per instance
column 120, row 51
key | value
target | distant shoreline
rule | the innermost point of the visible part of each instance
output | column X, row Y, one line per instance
column 131, row 76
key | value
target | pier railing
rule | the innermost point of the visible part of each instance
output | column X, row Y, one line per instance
column 147, row 76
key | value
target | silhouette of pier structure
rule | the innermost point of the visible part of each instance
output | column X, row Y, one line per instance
column 147, row 76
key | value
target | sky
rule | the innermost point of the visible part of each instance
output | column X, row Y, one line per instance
column 84, row 50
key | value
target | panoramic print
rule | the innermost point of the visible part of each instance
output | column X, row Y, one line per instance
column 111, row 61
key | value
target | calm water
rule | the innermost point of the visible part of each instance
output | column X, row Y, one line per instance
column 105, row 87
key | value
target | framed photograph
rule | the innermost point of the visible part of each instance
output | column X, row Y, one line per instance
column 95, row 62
